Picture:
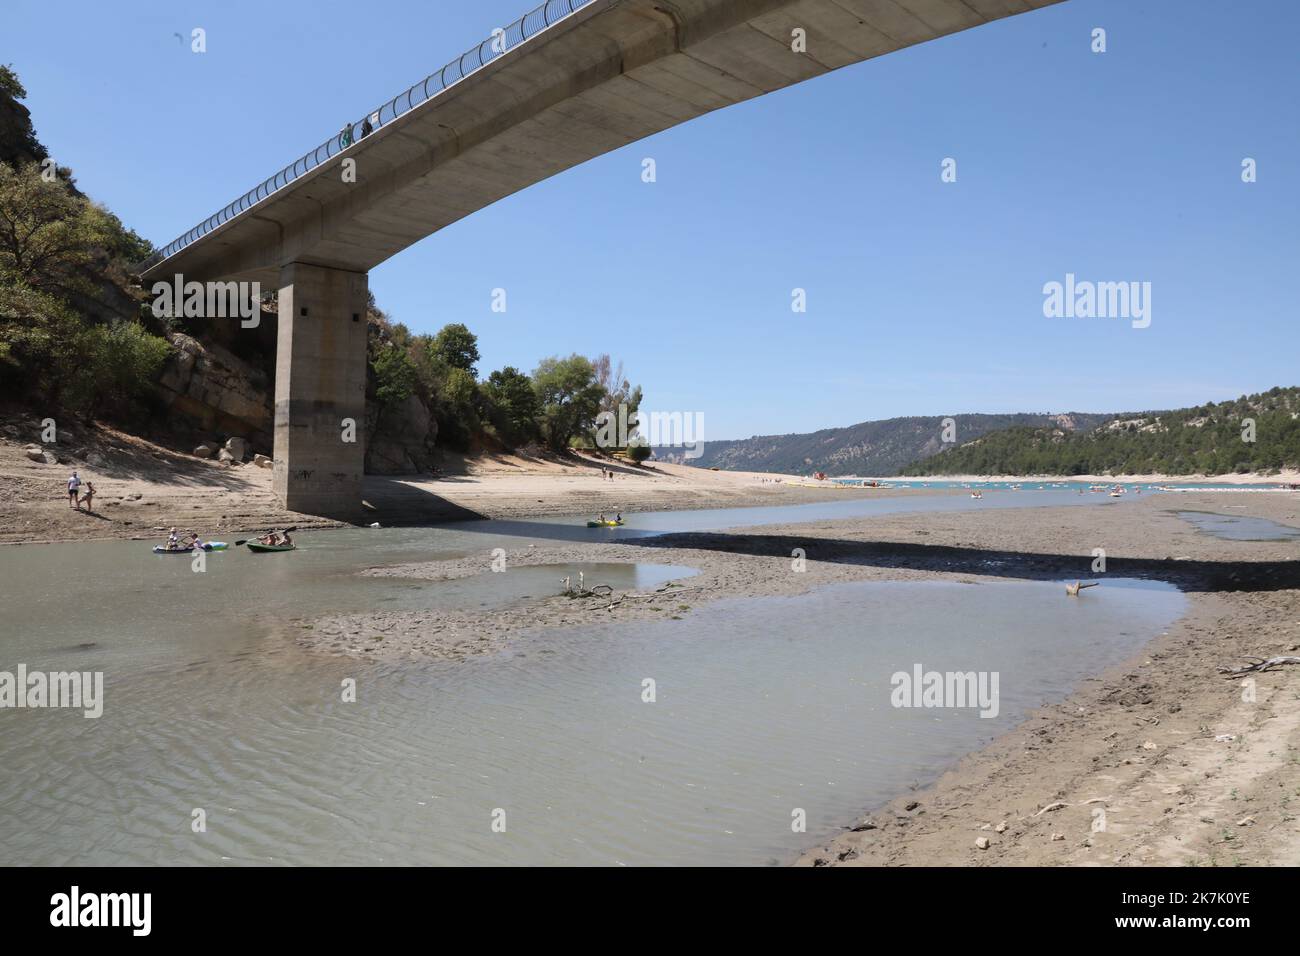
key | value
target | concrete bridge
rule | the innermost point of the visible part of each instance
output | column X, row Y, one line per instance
column 570, row 81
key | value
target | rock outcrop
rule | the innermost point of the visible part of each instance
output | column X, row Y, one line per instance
column 218, row 392
column 400, row 439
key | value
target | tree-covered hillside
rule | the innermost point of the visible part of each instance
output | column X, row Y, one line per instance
column 1254, row 433
column 868, row 448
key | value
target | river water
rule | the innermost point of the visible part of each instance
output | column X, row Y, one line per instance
column 763, row 707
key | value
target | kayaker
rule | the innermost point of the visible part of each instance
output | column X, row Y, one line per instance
column 601, row 519
column 285, row 540
column 619, row 517
column 173, row 540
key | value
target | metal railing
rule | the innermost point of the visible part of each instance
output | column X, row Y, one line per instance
column 525, row 28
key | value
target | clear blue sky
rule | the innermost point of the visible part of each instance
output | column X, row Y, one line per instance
column 924, row 297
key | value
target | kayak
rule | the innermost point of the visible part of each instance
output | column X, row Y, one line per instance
column 605, row 524
column 210, row 546
column 261, row 548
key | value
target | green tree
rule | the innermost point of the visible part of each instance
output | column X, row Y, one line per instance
column 395, row 376
column 457, row 346
column 570, row 398
column 117, row 363
column 619, row 391
column 515, row 407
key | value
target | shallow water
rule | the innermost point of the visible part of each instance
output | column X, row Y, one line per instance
column 710, row 519
column 1031, row 484
column 763, row 706
column 1240, row 527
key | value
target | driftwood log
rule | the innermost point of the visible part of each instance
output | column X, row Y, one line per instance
column 1258, row 664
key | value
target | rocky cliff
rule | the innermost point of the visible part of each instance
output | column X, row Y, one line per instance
column 217, row 392
column 208, row 388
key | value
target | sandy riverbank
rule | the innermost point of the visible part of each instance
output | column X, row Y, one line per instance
column 142, row 487
column 1184, row 770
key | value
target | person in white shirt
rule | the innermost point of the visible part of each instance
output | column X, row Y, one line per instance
column 74, row 485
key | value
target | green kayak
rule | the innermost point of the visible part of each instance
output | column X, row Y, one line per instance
column 259, row 548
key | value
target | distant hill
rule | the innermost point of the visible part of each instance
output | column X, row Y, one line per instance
column 869, row 448
column 1206, row 439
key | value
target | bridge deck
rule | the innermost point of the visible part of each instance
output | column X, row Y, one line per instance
column 582, row 83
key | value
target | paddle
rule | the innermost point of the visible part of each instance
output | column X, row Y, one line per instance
column 246, row 540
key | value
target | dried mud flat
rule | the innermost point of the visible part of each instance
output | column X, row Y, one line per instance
column 1160, row 760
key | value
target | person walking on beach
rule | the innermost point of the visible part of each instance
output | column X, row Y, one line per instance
column 88, row 499
column 74, row 485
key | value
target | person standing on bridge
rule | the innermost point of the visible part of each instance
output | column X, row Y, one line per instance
column 345, row 135
column 366, row 128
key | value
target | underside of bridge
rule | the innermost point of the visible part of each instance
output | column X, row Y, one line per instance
column 608, row 74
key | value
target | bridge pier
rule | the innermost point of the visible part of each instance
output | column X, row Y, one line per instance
column 320, row 390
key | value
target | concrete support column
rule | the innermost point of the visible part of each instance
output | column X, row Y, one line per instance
column 320, row 390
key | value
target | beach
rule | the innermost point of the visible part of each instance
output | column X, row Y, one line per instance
column 142, row 489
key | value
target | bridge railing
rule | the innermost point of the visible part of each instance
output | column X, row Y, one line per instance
column 526, row 27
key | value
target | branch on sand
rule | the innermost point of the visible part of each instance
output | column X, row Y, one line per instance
column 604, row 591
column 1258, row 664
column 1061, row 805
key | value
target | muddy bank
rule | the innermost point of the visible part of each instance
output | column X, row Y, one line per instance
column 1140, row 538
column 1159, row 760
